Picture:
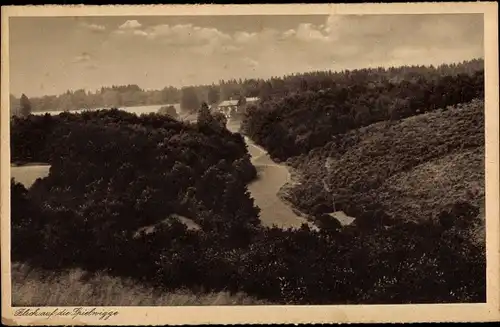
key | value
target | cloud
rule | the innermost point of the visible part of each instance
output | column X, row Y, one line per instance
column 157, row 54
column 82, row 58
column 187, row 34
column 245, row 37
column 340, row 42
column 269, row 37
column 309, row 32
column 367, row 40
column 140, row 33
column 94, row 27
column 290, row 33
column 130, row 24
column 252, row 63
column 184, row 37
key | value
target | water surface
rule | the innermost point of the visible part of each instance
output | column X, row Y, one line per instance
column 27, row 174
column 138, row 110
column 265, row 189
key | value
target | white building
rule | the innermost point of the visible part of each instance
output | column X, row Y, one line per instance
column 230, row 107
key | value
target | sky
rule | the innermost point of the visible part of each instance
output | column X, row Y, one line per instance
column 49, row 55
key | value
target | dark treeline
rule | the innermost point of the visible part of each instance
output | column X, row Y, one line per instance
column 190, row 97
column 113, row 173
column 295, row 124
column 105, row 97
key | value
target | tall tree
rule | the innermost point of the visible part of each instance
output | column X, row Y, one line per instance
column 213, row 95
column 265, row 90
column 169, row 111
column 220, row 119
column 204, row 115
column 189, row 99
column 242, row 100
column 25, row 105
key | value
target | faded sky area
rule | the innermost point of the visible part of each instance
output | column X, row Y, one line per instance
column 49, row 55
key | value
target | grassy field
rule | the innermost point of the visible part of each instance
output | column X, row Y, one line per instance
column 34, row 287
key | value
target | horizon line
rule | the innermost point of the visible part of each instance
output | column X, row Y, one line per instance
column 218, row 83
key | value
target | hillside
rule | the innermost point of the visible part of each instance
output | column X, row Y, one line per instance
column 298, row 123
column 411, row 169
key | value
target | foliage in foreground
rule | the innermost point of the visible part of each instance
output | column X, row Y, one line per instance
column 75, row 287
column 111, row 174
column 429, row 262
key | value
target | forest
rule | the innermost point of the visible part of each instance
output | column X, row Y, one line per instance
column 191, row 97
column 296, row 124
column 114, row 173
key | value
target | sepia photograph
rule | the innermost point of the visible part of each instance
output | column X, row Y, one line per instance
column 205, row 159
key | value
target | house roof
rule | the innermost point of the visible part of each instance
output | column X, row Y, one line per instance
column 227, row 103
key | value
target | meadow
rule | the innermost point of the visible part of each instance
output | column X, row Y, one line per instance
column 76, row 287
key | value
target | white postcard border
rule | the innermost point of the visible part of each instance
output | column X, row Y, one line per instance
column 276, row 314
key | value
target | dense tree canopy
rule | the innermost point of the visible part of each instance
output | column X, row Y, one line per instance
column 121, row 187
column 297, row 123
